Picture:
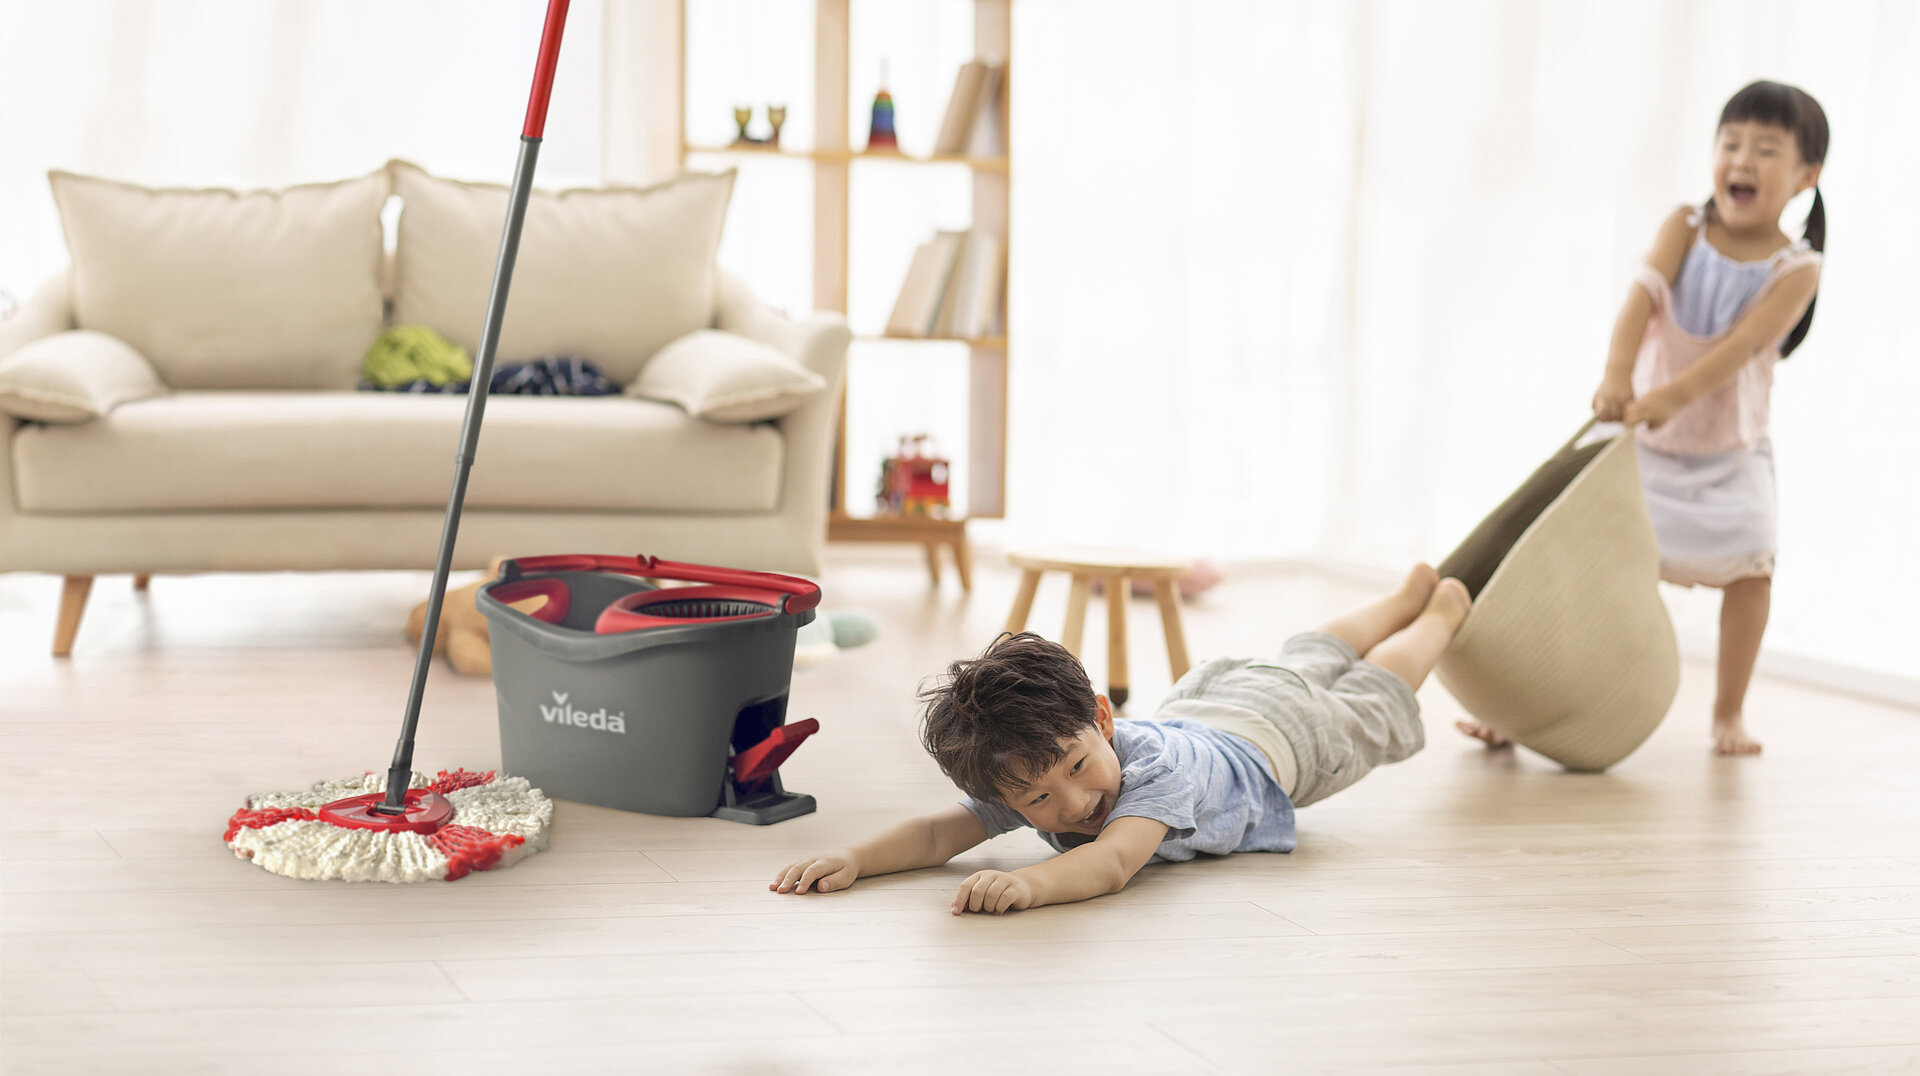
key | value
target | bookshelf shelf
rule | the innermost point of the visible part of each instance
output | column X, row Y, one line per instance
column 832, row 159
column 842, row 156
column 985, row 343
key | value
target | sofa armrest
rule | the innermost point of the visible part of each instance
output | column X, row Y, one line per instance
column 48, row 311
column 819, row 342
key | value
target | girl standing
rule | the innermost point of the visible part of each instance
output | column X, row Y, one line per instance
column 1723, row 296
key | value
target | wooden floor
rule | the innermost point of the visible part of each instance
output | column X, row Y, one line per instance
column 1463, row 912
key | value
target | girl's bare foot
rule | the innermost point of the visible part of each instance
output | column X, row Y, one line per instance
column 1481, row 732
column 1730, row 737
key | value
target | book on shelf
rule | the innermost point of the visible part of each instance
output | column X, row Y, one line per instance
column 973, row 125
column 989, row 135
column 971, row 304
column 952, row 287
column 925, row 286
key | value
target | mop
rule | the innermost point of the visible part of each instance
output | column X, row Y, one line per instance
column 405, row 826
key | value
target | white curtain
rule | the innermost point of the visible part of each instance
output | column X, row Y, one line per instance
column 1289, row 279
column 246, row 94
column 1326, row 281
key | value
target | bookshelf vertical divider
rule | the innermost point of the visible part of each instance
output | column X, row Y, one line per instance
column 832, row 160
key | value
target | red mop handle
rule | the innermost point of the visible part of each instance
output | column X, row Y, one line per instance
column 543, row 69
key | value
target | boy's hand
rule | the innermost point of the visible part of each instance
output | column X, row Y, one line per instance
column 1655, row 409
column 1610, row 400
column 993, row 892
column 829, row 872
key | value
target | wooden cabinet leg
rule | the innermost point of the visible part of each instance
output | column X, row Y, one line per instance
column 73, row 603
column 963, row 562
column 1023, row 600
column 1117, row 639
column 140, row 581
column 933, row 562
column 1167, row 591
column 1076, row 613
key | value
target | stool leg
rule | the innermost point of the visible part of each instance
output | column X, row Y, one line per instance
column 1023, row 600
column 1117, row 639
column 1166, row 590
column 933, row 562
column 963, row 562
column 1076, row 613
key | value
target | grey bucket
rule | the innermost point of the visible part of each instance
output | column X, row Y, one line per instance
column 627, row 695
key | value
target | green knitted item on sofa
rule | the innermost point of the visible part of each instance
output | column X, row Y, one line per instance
column 407, row 353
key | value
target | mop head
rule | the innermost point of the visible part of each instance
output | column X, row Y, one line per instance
column 496, row 822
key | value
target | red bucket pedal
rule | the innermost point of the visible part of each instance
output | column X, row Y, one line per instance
column 760, row 760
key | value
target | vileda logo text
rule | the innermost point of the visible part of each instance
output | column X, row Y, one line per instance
column 563, row 713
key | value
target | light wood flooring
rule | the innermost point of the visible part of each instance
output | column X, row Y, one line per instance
column 1462, row 912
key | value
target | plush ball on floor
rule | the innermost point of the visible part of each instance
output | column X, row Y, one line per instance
column 831, row 633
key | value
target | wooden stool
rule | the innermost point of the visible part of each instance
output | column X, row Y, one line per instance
column 1116, row 566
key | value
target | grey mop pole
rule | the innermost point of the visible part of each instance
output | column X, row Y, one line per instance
column 401, row 772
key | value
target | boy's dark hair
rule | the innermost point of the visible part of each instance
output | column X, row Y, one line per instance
column 1000, row 718
column 1795, row 110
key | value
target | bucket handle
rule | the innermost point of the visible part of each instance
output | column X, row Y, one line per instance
column 802, row 594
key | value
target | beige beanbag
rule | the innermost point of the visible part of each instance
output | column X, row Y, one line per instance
column 1568, row 649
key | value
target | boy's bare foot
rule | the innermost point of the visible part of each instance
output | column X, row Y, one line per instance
column 1450, row 600
column 1366, row 627
column 1416, row 590
column 1481, row 732
column 1730, row 737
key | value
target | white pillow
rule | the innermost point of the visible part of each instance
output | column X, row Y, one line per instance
column 609, row 274
column 721, row 377
column 74, row 376
column 220, row 289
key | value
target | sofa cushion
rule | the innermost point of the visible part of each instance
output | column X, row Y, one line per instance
column 74, row 376
column 211, row 451
column 721, row 377
column 220, row 289
column 610, row 274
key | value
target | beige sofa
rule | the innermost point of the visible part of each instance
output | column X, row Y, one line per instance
column 183, row 401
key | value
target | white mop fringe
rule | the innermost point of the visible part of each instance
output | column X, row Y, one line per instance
column 503, row 807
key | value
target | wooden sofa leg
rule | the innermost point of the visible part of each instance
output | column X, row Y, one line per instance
column 73, row 603
column 140, row 581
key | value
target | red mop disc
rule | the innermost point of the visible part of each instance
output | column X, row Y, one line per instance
column 421, row 811
column 456, row 822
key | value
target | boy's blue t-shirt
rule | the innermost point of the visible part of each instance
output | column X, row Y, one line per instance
column 1213, row 790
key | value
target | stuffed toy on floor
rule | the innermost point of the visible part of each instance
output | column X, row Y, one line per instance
column 462, row 636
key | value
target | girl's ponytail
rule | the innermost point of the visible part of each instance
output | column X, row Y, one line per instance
column 1816, row 237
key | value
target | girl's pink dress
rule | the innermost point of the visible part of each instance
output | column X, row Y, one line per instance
column 1708, row 472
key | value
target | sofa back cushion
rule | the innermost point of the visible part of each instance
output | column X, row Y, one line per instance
column 611, row 274
column 222, row 289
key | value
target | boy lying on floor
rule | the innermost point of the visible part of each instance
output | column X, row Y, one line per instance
column 1236, row 746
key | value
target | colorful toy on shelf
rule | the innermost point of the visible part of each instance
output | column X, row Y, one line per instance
column 914, row 483
column 743, row 115
column 880, row 136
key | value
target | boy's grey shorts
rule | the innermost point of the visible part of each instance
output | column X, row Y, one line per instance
column 1341, row 715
